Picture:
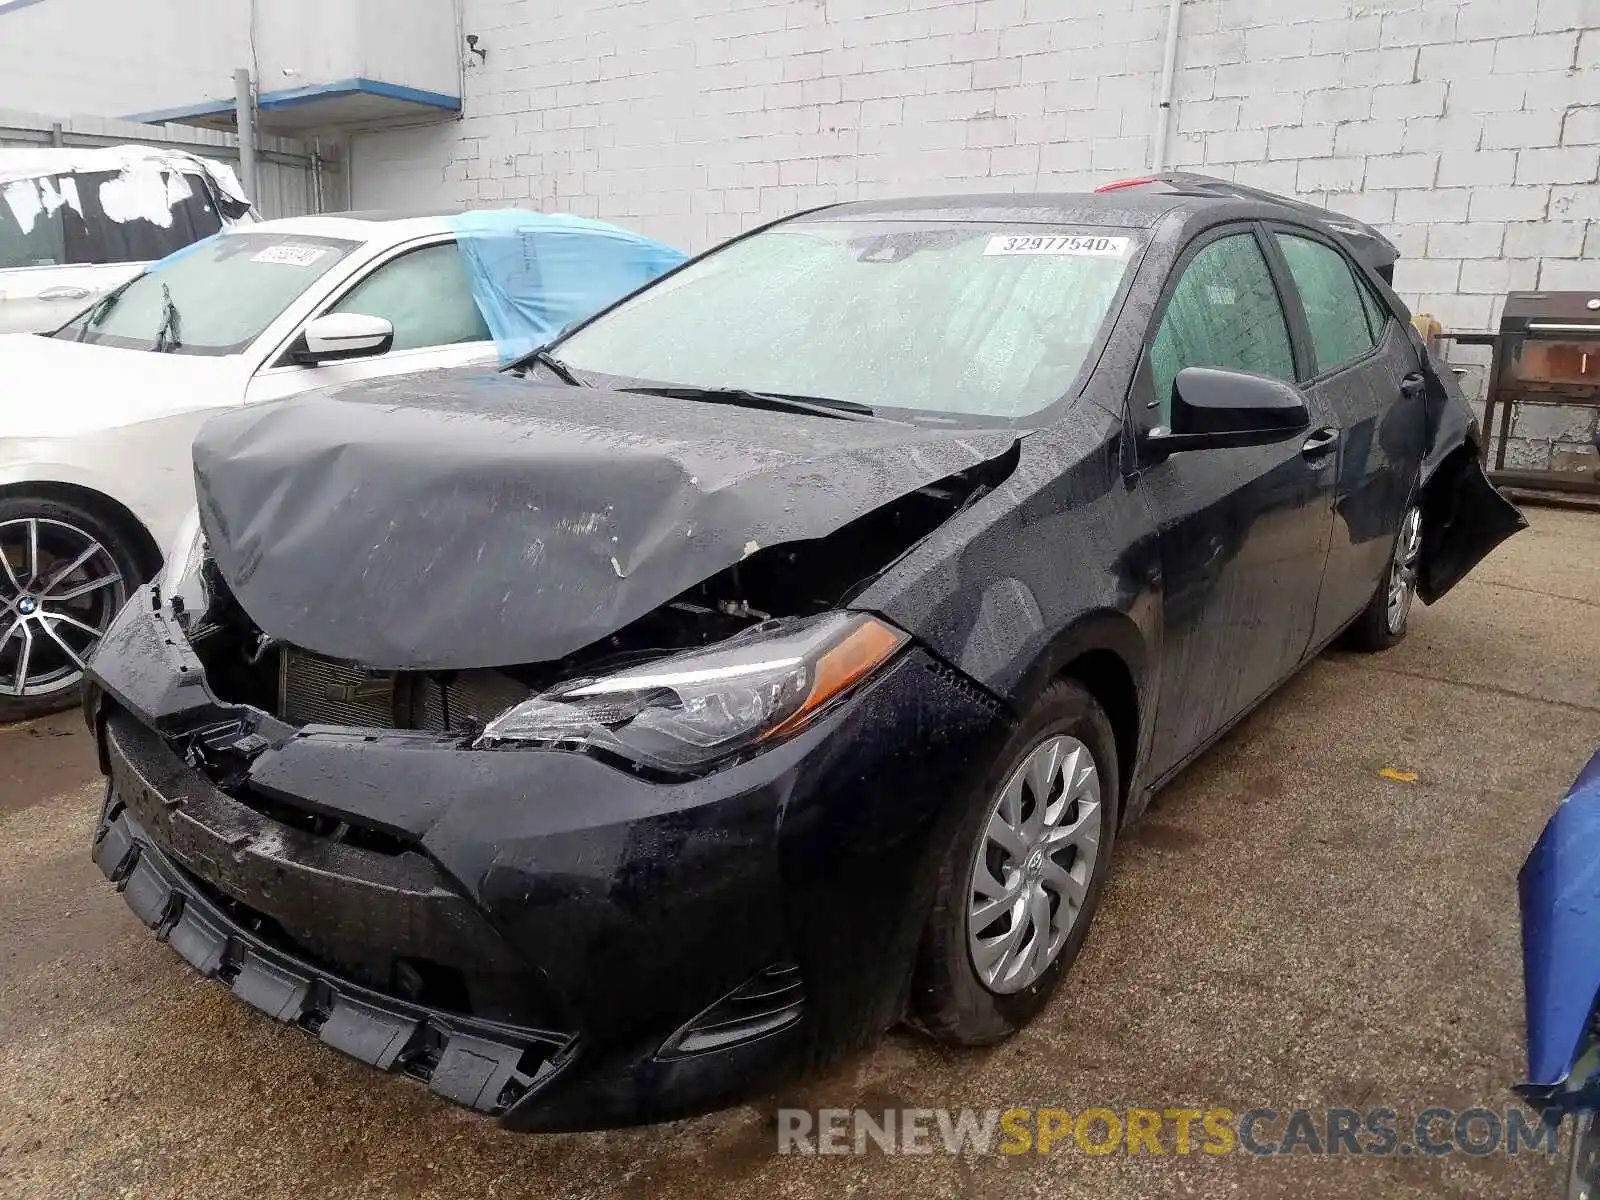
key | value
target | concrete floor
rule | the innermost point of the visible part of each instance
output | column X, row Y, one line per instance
column 1286, row 927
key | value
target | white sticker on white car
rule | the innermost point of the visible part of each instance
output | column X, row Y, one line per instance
column 290, row 256
column 1084, row 245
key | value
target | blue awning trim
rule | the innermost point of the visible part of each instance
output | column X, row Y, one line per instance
column 311, row 94
column 533, row 274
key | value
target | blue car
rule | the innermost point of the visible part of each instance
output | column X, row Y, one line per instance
column 1560, row 893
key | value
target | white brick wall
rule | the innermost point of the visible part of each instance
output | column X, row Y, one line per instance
column 1468, row 129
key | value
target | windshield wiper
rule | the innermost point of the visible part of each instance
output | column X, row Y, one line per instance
column 94, row 315
column 167, row 335
column 821, row 406
column 555, row 366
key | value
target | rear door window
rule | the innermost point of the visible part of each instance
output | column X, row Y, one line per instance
column 1225, row 313
column 1335, row 309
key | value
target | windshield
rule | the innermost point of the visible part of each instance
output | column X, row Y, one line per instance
column 213, row 298
column 943, row 320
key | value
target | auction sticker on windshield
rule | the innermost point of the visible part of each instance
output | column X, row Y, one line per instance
column 1079, row 244
column 289, row 256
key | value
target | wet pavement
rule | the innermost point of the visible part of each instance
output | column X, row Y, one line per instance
column 1289, row 926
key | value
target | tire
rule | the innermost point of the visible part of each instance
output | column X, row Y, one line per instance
column 1383, row 622
column 39, row 540
column 952, row 1000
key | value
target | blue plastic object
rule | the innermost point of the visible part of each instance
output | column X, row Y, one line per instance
column 1560, row 893
column 182, row 252
column 533, row 274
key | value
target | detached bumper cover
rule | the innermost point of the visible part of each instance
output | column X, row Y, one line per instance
column 483, row 1065
column 648, row 949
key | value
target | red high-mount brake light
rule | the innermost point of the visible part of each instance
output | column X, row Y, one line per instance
column 1119, row 184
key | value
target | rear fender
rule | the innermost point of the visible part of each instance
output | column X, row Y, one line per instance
column 1464, row 516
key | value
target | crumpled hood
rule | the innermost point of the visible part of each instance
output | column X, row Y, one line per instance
column 58, row 388
column 460, row 519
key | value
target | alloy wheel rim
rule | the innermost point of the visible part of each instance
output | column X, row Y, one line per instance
column 1030, row 876
column 1403, row 572
column 60, row 588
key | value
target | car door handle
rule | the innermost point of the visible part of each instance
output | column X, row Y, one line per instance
column 1320, row 443
column 1413, row 385
column 64, row 293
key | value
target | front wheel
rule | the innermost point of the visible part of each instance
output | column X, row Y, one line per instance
column 1384, row 622
column 64, row 573
column 1021, row 880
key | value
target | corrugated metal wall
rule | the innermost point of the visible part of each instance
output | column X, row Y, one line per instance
column 286, row 170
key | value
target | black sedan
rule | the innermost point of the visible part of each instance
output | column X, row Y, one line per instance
column 778, row 655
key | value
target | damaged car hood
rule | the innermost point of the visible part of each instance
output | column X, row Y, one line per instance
column 455, row 520
column 55, row 387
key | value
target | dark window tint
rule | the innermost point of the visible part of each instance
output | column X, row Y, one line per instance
column 31, row 228
column 102, row 217
column 425, row 295
column 1334, row 307
column 1224, row 313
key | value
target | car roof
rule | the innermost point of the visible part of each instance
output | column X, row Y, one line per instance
column 1132, row 204
column 1125, row 211
column 358, row 227
column 371, row 225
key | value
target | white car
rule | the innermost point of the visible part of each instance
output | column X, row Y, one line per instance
column 76, row 223
column 97, row 419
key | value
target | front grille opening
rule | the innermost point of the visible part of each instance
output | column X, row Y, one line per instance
column 348, row 833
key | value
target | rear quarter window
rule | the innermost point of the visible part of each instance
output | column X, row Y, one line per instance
column 1377, row 311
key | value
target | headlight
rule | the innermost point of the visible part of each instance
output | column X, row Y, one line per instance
column 180, row 578
column 690, row 710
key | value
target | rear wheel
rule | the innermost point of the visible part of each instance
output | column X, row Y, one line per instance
column 1384, row 622
column 64, row 573
column 1020, row 881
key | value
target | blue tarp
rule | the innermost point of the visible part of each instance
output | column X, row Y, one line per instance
column 533, row 274
column 1560, row 892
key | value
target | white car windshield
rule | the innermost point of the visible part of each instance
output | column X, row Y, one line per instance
column 954, row 321
column 213, row 298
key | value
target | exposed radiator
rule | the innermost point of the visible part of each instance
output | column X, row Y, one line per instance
column 320, row 691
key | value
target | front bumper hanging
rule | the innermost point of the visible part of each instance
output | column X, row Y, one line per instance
column 484, row 1065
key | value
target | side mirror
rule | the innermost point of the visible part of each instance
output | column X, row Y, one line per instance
column 1214, row 410
column 338, row 336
